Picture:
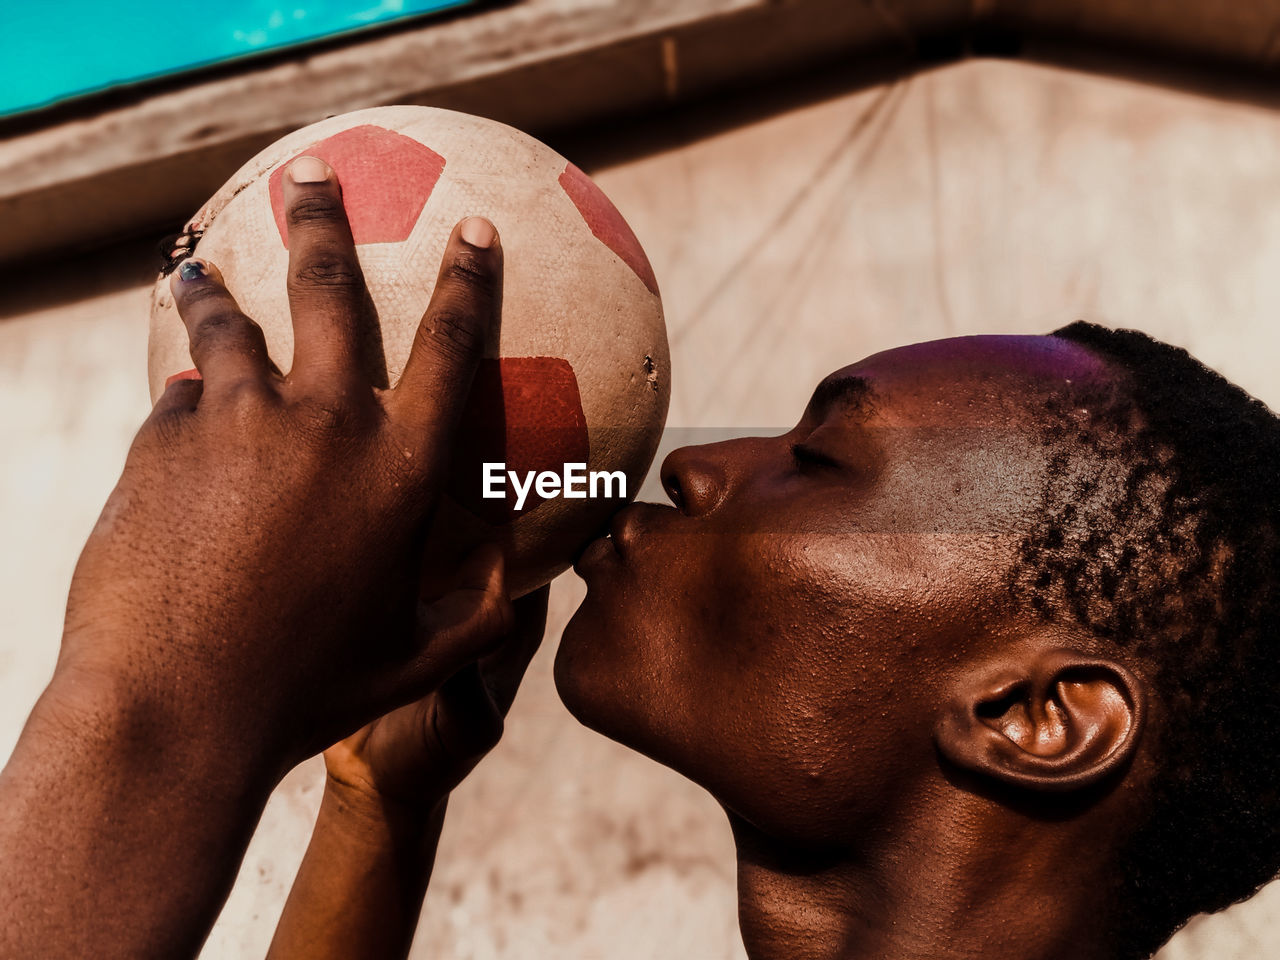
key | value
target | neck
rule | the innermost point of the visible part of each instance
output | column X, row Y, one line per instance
column 941, row 887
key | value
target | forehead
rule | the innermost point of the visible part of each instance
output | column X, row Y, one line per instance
column 973, row 379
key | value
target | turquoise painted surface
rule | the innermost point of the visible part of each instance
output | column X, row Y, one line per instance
column 55, row 50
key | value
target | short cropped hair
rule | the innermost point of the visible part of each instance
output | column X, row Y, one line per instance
column 1166, row 544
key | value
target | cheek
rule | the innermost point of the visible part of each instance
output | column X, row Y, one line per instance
column 829, row 686
column 792, row 676
column 693, row 630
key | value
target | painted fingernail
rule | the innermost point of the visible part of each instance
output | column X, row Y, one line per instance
column 192, row 374
column 478, row 232
column 309, row 170
column 193, row 269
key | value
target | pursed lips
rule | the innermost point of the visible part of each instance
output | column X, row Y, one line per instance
column 624, row 528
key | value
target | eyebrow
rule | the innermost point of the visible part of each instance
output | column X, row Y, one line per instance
column 852, row 393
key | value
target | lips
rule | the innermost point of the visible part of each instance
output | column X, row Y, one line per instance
column 623, row 529
column 596, row 553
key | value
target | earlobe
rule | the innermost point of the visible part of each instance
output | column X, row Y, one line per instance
column 1045, row 720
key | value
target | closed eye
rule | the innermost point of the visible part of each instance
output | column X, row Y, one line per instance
column 808, row 458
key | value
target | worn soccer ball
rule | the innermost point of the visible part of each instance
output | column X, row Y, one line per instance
column 580, row 372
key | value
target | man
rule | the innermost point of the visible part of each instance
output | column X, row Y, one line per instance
column 977, row 659
column 980, row 658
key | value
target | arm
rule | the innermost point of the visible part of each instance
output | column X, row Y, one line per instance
column 247, row 596
column 359, row 890
column 119, row 838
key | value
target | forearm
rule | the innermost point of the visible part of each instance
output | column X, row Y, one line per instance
column 360, row 887
column 121, row 830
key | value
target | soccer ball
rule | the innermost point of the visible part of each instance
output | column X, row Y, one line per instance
column 580, row 371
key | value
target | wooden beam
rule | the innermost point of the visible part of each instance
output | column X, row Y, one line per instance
column 139, row 161
column 146, row 164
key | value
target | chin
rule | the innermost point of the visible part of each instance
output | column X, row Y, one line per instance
column 605, row 686
column 626, row 703
column 582, row 677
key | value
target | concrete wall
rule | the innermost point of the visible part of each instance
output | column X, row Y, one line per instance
column 790, row 237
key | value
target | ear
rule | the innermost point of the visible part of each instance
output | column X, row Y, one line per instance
column 1044, row 720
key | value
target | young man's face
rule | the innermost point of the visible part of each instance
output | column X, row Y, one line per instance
column 785, row 633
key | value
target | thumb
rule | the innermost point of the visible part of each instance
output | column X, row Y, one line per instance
column 463, row 625
column 466, row 722
column 504, row 668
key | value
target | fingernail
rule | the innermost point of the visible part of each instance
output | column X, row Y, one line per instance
column 192, row 374
column 478, row 232
column 309, row 170
column 193, row 269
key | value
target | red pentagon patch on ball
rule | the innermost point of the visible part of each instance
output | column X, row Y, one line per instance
column 525, row 412
column 604, row 220
column 386, row 180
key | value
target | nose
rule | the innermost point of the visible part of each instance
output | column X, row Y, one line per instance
column 695, row 479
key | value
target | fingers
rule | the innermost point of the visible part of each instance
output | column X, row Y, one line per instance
column 333, row 316
column 468, row 711
column 505, row 667
column 463, row 315
column 465, row 623
column 227, row 347
column 466, row 722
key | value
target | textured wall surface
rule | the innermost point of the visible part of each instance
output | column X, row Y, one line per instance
column 986, row 197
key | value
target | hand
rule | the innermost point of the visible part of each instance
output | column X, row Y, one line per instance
column 416, row 755
column 254, row 574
